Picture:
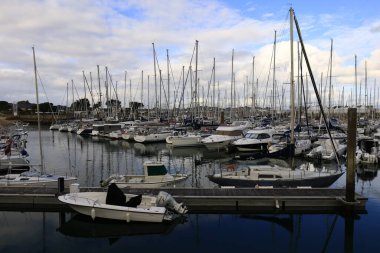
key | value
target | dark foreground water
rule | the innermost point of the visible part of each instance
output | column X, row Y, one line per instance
column 95, row 159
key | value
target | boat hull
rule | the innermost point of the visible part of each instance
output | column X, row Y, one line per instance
column 91, row 204
column 151, row 137
column 325, row 181
column 156, row 184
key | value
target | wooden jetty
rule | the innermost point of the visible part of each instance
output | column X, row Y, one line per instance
column 308, row 200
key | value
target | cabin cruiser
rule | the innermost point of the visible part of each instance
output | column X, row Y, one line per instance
column 153, row 135
column 257, row 139
column 225, row 135
column 155, row 175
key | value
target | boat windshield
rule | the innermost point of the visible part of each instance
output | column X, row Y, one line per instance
column 229, row 133
column 259, row 136
column 156, row 170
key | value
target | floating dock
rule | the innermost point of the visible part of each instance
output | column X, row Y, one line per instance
column 308, row 200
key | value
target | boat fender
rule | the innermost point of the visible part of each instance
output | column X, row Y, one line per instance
column 93, row 214
column 128, row 218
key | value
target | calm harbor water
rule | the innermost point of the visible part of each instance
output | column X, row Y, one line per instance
column 92, row 160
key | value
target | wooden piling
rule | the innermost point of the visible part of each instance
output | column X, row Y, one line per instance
column 351, row 148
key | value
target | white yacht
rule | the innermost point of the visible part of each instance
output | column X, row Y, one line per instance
column 226, row 134
column 257, row 139
column 152, row 135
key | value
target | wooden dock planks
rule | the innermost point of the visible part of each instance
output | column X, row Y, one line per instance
column 205, row 200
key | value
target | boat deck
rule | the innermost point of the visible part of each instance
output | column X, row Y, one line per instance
column 314, row 200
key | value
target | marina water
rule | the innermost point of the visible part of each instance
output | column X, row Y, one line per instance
column 94, row 159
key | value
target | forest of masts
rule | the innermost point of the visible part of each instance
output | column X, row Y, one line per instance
column 159, row 96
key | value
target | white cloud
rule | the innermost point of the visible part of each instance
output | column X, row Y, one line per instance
column 71, row 36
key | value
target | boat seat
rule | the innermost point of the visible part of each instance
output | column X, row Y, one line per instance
column 134, row 201
column 116, row 197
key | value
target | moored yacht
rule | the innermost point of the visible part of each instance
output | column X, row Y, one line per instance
column 226, row 134
column 257, row 139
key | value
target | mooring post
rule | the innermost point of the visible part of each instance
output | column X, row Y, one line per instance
column 61, row 185
column 351, row 148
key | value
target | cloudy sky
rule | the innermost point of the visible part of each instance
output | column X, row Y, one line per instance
column 72, row 36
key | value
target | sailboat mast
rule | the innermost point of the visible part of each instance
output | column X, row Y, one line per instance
column 365, row 91
column 38, row 111
column 168, row 96
column 100, row 90
column 356, row 83
column 67, row 101
column 253, row 85
column 330, row 90
column 148, row 98
column 232, row 82
column 125, row 91
column 292, row 110
column 274, row 76
column 213, row 90
column 196, row 78
column 155, row 79
column 142, row 86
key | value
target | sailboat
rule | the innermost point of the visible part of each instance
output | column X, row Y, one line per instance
column 284, row 177
column 34, row 177
column 278, row 177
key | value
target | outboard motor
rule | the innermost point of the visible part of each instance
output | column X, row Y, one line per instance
column 164, row 199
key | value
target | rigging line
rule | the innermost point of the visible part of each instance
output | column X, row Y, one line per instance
column 75, row 88
column 114, row 89
column 88, row 87
column 269, row 74
column 304, row 98
column 161, row 81
column 43, row 87
column 209, row 85
column 315, row 87
column 187, row 76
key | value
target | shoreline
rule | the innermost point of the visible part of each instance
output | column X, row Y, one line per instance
column 8, row 120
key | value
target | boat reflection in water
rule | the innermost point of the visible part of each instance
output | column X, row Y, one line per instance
column 83, row 226
column 285, row 221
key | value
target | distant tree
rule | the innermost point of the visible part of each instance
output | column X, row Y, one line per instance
column 135, row 105
column 97, row 105
column 5, row 106
column 46, row 107
column 80, row 105
column 113, row 103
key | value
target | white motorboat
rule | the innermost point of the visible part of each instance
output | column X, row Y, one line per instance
column 97, row 129
column 85, row 129
column 54, row 126
column 226, row 135
column 276, row 176
column 325, row 151
column 301, row 146
column 187, row 140
column 13, row 163
column 153, row 135
column 116, row 205
column 257, row 139
column 64, row 128
column 155, row 175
